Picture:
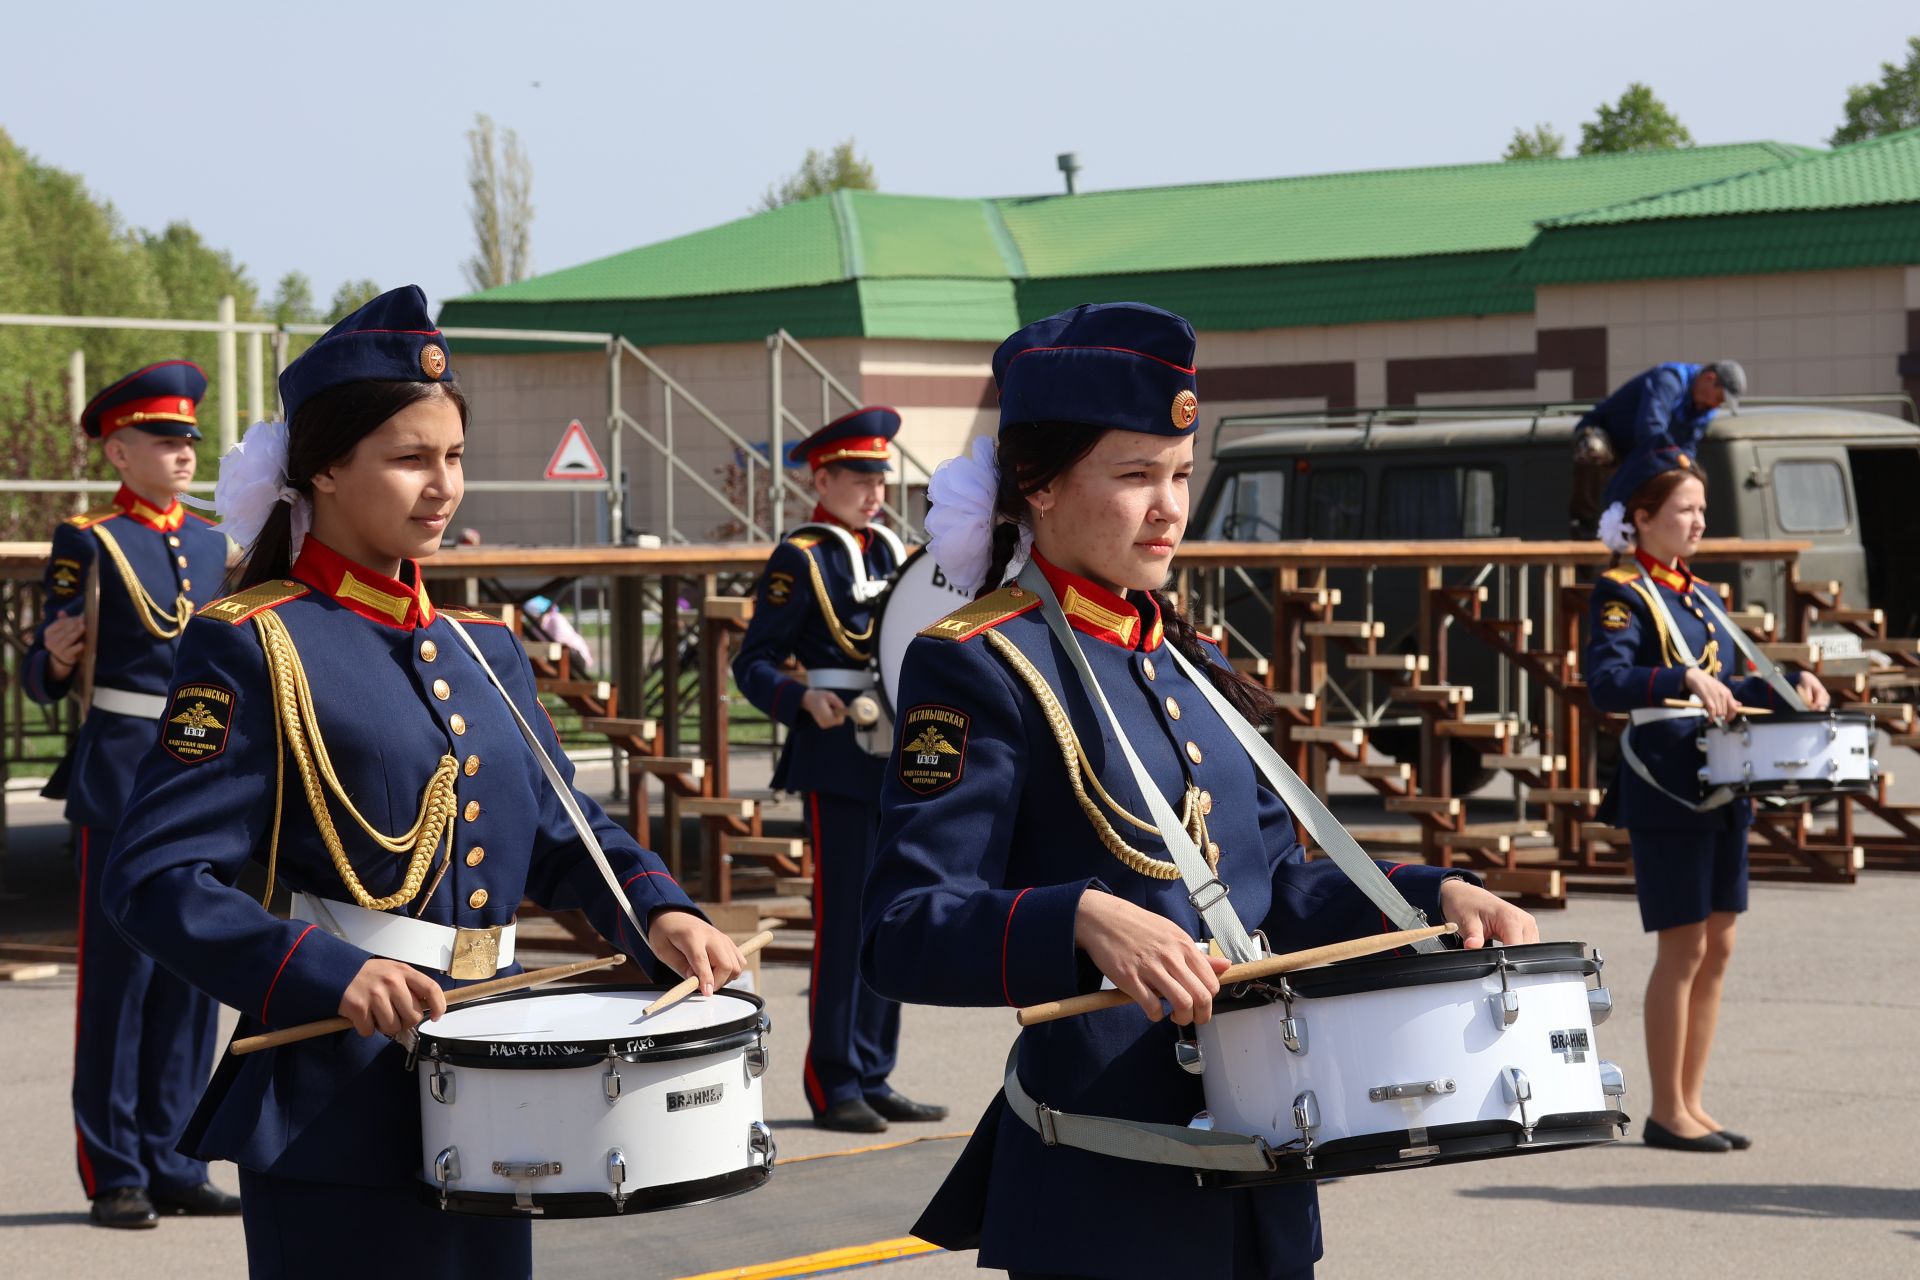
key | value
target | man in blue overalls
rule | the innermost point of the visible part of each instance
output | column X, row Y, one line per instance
column 1676, row 401
column 815, row 606
column 121, row 584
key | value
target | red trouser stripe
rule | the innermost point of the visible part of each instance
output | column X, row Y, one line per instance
column 79, row 996
column 816, row 1094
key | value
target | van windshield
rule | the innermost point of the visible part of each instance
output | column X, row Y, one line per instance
column 1251, row 508
column 1442, row 502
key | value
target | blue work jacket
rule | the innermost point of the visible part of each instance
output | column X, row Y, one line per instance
column 1657, row 402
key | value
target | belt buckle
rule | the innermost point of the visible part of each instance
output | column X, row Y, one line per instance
column 476, row 953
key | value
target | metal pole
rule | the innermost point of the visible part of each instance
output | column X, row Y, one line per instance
column 775, row 508
column 229, row 378
column 616, row 511
column 256, row 390
column 666, row 419
column 280, row 340
column 76, row 385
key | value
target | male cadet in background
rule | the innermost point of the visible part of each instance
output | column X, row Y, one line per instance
column 815, row 605
column 1674, row 400
column 120, row 585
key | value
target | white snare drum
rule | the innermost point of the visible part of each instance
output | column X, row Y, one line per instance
column 569, row 1105
column 1399, row 1062
column 1790, row 753
column 920, row 596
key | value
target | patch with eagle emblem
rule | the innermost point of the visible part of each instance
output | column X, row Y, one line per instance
column 933, row 748
column 197, row 721
column 1615, row 616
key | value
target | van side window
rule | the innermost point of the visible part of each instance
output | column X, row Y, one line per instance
column 1442, row 502
column 1251, row 507
column 1336, row 503
column 1811, row 496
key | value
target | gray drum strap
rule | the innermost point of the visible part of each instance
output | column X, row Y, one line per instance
column 1647, row 715
column 1205, row 891
column 1710, row 597
column 865, row 588
column 560, row 788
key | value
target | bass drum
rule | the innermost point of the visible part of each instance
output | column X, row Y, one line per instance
column 920, row 596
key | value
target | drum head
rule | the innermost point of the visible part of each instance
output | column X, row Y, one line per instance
column 920, row 596
column 584, row 1025
column 1416, row 969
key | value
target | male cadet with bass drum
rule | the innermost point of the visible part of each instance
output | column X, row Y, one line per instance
column 1673, row 402
column 815, row 606
column 120, row 585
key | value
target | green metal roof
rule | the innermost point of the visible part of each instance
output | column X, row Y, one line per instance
column 1325, row 249
column 1858, row 206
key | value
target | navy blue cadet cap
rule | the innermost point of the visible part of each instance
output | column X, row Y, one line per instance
column 160, row 400
column 391, row 339
column 857, row 440
column 1657, row 457
column 1105, row 364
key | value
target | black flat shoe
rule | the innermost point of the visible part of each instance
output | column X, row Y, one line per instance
column 123, row 1208
column 1658, row 1135
column 203, row 1201
column 1738, row 1141
column 896, row 1107
column 851, row 1116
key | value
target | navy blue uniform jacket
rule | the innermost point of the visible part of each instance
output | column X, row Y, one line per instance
column 1632, row 662
column 172, row 553
column 984, row 855
column 1657, row 402
column 806, row 582
column 395, row 691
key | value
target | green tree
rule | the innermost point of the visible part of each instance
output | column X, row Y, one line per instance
column 1542, row 142
column 1874, row 110
column 350, row 297
column 820, row 173
column 500, row 183
column 1637, row 122
column 293, row 300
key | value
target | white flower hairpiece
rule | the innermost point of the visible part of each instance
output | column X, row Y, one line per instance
column 1616, row 531
column 253, row 479
column 961, row 518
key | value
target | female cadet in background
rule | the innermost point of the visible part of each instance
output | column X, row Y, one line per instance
column 1014, row 865
column 1689, row 864
column 329, row 722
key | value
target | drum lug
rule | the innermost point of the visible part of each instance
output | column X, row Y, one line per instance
column 610, row 1082
column 440, row 1084
column 1306, row 1118
column 760, row 1144
column 1202, row 1121
column 756, row 1055
column 1520, row 1092
column 1506, row 1005
column 1613, row 1081
column 1188, row 1054
column 1599, row 1004
column 446, row 1169
column 1293, row 1031
column 617, row 1175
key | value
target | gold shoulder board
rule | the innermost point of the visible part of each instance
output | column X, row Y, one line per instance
column 237, row 608
column 474, row 615
column 987, row 612
column 1621, row 574
column 88, row 519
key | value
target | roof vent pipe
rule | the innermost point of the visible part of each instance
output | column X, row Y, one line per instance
column 1069, row 164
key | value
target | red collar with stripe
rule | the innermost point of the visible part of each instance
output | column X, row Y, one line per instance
column 390, row 602
column 823, row 516
column 138, row 509
column 1678, row 580
column 1098, row 612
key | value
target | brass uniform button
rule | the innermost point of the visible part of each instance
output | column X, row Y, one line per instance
column 1193, row 752
column 429, row 651
column 472, row 765
column 186, row 584
column 181, row 561
column 172, row 541
column 476, row 856
column 1173, row 708
column 441, row 690
column 472, row 810
column 477, row 899
column 1146, row 668
column 458, row 723
column 1206, row 802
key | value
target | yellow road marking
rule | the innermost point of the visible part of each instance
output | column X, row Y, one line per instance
column 816, row 1264
column 884, row 1146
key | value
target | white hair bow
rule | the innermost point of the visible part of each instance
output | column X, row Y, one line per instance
column 253, row 479
column 961, row 518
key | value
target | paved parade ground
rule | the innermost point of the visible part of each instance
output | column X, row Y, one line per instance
column 1815, row 1060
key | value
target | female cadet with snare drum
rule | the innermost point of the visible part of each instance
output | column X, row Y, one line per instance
column 330, row 722
column 1015, row 864
column 1651, row 639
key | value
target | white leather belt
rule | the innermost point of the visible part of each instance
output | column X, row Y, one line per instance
column 459, row 953
column 125, row 702
column 841, row 679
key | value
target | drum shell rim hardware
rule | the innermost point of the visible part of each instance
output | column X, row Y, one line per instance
column 1385, row 973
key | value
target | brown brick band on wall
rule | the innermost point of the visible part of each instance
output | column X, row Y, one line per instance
column 1408, row 379
column 929, row 390
column 1333, row 381
column 1582, row 350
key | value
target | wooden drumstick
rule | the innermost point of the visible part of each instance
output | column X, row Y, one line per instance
column 687, row 986
column 864, row 711
column 1351, row 949
column 479, row 990
column 1686, row 704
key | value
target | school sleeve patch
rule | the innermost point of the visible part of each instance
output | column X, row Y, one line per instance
column 779, row 588
column 933, row 748
column 1615, row 616
column 197, row 722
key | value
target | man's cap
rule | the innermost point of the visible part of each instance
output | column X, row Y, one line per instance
column 1733, row 378
column 391, row 339
column 857, row 440
column 1105, row 364
column 160, row 399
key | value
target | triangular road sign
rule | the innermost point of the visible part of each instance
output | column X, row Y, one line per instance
column 575, row 459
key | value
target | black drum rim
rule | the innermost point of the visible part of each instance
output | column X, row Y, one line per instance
column 694, row 1042
column 1415, row 969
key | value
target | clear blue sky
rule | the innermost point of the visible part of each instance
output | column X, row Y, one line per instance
column 331, row 138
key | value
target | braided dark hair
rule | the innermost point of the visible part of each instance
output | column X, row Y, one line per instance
column 1032, row 455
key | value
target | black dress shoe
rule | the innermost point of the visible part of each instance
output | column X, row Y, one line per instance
column 1738, row 1141
column 851, row 1116
column 203, row 1201
column 1658, row 1135
column 126, row 1208
column 897, row 1107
